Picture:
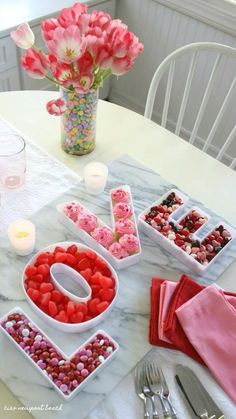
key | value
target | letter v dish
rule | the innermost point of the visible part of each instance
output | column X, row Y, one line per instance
column 120, row 245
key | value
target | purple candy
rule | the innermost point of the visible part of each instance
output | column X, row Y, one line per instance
column 22, row 344
column 84, row 372
column 54, row 361
column 80, row 366
column 75, row 383
column 41, row 364
column 64, row 388
column 58, row 383
column 43, row 344
column 36, row 345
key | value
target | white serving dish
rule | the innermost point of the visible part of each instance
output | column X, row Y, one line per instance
column 86, row 380
column 63, row 269
column 69, row 327
column 90, row 241
column 176, row 217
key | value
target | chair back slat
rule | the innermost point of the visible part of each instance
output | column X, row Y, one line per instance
column 207, row 93
column 170, row 66
column 168, row 92
column 186, row 92
column 233, row 164
column 153, row 88
column 218, row 120
column 226, row 144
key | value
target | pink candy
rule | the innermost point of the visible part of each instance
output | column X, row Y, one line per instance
column 122, row 210
column 103, row 235
column 87, row 222
column 129, row 242
column 119, row 195
column 118, row 251
column 73, row 210
column 125, row 226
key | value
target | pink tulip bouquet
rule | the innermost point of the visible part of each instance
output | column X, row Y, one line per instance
column 83, row 50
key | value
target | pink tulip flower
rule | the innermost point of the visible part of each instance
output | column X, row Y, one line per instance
column 83, row 83
column 73, row 15
column 23, row 36
column 62, row 72
column 104, row 57
column 99, row 19
column 67, row 44
column 56, row 107
column 47, row 29
column 121, row 65
column 35, row 63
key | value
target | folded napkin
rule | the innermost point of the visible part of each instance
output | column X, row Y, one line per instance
column 167, row 289
column 165, row 329
column 186, row 289
column 179, row 336
column 153, row 324
column 209, row 322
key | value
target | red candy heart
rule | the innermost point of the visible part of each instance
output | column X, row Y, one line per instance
column 33, row 294
column 60, row 257
column 43, row 269
column 62, row 317
column 46, row 287
column 30, row 271
column 56, row 296
column 102, row 306
column 52, row 308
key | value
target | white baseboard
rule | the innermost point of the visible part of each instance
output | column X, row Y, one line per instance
column 135, row 106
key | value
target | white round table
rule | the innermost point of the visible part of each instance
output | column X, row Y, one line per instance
column 121, row 131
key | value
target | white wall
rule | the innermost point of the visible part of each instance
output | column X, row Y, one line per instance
column 162, row 30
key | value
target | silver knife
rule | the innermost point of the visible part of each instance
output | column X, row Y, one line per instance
column 201, row 401
column 185, row 398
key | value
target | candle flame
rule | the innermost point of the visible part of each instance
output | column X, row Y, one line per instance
column 21, row 235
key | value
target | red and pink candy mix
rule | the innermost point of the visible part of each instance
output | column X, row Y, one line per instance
column 182, row 233
column 65, row 373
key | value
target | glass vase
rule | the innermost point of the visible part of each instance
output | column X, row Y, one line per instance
column 78, row 123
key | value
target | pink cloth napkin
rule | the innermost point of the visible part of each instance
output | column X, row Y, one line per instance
column 166, row 291
column 209, row 321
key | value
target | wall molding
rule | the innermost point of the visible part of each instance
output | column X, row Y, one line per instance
column 220, row 14
column 129, row 102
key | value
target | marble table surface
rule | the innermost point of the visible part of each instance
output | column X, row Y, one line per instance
column 128, row 321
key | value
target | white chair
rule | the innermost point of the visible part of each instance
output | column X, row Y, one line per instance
column 168, row 65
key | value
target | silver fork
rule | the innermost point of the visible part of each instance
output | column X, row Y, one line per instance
column 138, row 379
column 166, row 394
column 155, row 384
column 148, row 391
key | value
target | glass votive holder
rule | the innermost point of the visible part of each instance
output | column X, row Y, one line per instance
column 21, row 234
column 95, row 177
column 12, row 161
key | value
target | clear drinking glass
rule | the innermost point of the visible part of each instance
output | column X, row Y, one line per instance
column 12, row 161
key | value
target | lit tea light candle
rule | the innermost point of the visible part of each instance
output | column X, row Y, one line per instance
column 21, row 234
column 95, row 177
